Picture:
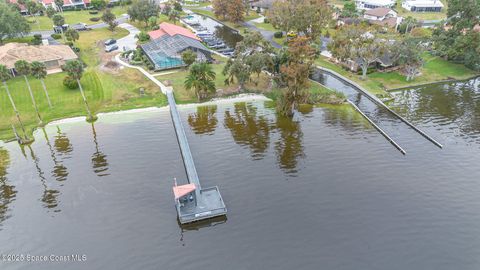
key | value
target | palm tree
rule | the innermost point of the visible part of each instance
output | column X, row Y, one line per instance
column 74, row 68
column 22, row 67
column 5, row 75
column 201, row 78
column 39, row 71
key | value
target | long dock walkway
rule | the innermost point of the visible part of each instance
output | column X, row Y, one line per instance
column 207, row 202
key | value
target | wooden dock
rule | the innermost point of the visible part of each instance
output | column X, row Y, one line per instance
column 203, row 203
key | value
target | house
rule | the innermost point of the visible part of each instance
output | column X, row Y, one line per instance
column 261, row 5
column 423, row 5
column 53, row 56
column 67, row 4
column 169, row 42
column 371, row 4
column 383, row 17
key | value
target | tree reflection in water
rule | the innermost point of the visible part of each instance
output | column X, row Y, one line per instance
column 99, row 159
column 7, row 191
column 49, row 197
column 204, row 121
column 64, row 148
column 248, row 129
column 289, row 148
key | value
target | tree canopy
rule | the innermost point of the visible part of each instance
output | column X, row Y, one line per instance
column 12, row 24
column 142, row 10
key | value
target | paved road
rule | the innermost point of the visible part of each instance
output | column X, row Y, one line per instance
column 46, row 33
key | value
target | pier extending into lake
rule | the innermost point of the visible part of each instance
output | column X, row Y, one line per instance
column 193, row 202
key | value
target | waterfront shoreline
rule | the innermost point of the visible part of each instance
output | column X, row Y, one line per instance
column 244, row 97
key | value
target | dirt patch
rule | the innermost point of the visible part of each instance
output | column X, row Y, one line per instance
column 107, row 60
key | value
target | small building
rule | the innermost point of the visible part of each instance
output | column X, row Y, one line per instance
column 53, row 56
column 383, row 16
column 371, row 4
column 261, row 5
column 67, row 4
column 169, row 42
column 423, row 5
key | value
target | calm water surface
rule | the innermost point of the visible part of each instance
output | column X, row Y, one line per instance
column 321, row 191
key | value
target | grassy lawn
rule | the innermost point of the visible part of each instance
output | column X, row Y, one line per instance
column 105, row 91
column 422, row 15
column 72, row 17
column 435, row 69
column 266, row 26
column 144, row 27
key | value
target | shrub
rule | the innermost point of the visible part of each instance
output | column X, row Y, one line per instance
column 76, row 49
column 69, row 43
column 37, row 39
column 70, row 82
column 278, row 34
column 142, row 36
column 93, row 12
column 156, row 27
column 95, row 19
column 266, row 20
column 56, row 36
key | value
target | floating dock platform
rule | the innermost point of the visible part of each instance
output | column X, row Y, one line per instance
column 193, row 203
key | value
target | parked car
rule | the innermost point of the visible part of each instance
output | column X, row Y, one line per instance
column 58, row 29
column 111, row 48
column 80, row 27
column 110, row 42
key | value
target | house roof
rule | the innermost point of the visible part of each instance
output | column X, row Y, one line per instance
column 424, row 3
column 171, row 30
column 378, row 12
column 390, row 22
column 266, row 4
column 183, row 190
column 12, row 52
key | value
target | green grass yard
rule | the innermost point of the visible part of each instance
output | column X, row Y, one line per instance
column 435, row 69
column 71, row 17
column 105, row 91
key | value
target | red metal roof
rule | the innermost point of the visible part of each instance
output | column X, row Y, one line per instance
column 180, row 191
column 171, row 30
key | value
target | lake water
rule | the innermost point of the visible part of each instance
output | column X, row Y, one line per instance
column 322, row 191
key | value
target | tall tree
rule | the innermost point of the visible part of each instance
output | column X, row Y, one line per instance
column 74, row 68
column 109, row 18
column 12, row 24
column 142, row 10
column 236, row 11
column 359, row 44
column 349, row 9
column 33, row 8
column 59, row 21
column 201, row 78
column 72, row 35
column 295, row 73
column 39, row 71
column 6, row 75
column 174, row 16
column 309, row 17
column 408, row 54
column 22, row 68
column 50, row 11
column 220, row 8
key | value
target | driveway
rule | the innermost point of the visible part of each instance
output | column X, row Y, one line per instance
column 129, row 42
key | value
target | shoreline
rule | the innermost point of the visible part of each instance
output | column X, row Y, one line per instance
column 411, row 87
column 244, row 97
